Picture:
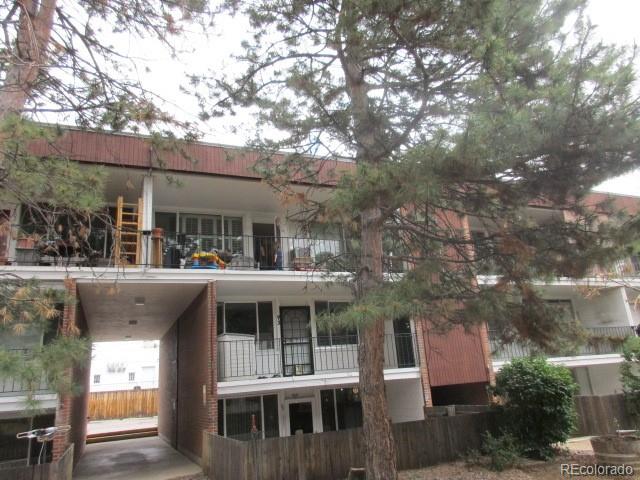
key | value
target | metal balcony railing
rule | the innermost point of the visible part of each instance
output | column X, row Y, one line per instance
column 603, row 340
column 12, row 386
column 250, row 358
column 95, row 248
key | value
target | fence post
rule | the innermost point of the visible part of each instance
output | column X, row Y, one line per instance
column 302, row 472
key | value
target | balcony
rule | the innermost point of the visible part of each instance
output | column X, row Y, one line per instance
column 245, row 358
column 13, row 387
column 602, row 341
column 172, row 250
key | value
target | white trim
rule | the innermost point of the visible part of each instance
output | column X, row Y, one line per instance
column 577, row 361
column 329, row 380
column 286, row 423
column 17, row 403
column 160, row 275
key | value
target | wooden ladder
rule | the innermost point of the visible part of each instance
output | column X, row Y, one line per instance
column 128, row 241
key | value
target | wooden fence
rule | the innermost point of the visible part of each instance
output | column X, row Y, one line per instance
column 123, row 404
column 600, row 414
column 60, row 470
column 329, row 455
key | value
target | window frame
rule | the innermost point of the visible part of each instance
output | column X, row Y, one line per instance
column 96, row 377
column 259, row 342
column 330, row 334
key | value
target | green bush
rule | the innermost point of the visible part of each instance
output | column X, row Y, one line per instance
column 539, row 409
column 504, row 451
column 630, row 377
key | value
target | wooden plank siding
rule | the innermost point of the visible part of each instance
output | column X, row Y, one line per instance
column 330, row 455
column 600, row 414
column 60, row 470
column 455, row 357
column 136, row 151
column 123, row 404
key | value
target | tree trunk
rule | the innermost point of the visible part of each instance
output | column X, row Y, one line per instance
column 35, row 22
column 380, row 451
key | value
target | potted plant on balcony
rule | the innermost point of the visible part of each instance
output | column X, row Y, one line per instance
column 624, row 446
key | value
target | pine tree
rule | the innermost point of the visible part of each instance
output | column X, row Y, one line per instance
column 450, row 110
column 57, row 60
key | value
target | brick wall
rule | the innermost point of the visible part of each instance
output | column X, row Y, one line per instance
column 80, row 402
column 63, row 410
column 196, row 381
column 168, row 385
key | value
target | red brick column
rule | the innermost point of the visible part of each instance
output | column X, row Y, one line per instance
column 212, row 361
column 421, row 339
column 63, row 409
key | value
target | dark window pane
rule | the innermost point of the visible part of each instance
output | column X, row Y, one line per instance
column 271, row 424
column 349, row 408
column 166, row 221
column 239, row 417
column 220, row 318
column 328, row 411
column 265, row 324
column 240, row 318
column 221, row 417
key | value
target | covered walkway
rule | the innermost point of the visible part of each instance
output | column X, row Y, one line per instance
column 141, row 459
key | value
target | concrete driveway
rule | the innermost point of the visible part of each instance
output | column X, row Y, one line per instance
column 141, row 459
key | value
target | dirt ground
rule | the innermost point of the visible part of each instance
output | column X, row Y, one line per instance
column 527, row 471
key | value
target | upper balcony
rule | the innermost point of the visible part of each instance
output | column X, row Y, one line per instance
column 601, row 341
column 242, row 357
column 110, row 247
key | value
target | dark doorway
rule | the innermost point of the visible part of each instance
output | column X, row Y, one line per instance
column 404, row 343
column 296, row 341
column 301, row 417
column 266, row 238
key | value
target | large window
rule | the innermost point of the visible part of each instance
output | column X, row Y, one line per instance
column 238, row 416
column 204, row 232
column 254, row 318
column 341, row 408
column 328, row 334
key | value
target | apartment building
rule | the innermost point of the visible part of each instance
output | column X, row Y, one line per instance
column 240, row 350
column 112, row 371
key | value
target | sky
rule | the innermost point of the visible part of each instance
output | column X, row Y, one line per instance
column 616, row 22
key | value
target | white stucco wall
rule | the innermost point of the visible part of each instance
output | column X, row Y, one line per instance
column 405, row 400
column 598, row 379
column 603, row 310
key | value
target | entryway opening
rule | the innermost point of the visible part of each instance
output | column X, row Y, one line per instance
column 123, row 390
column 301, row 417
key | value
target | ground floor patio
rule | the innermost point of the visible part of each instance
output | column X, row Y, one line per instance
column 142, row 459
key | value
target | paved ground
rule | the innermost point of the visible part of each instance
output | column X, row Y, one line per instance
column 104, row 426
column 138, row 459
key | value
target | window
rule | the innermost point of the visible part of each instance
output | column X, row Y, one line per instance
column 248, row 319
column 132, row 376
column 166, row 221
column 240, row 415
column 96, row 379
column 328, row 407
column 240, row 318
column 341, row 408
column 329, row 335
column 235, row 417
column 563, row 308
